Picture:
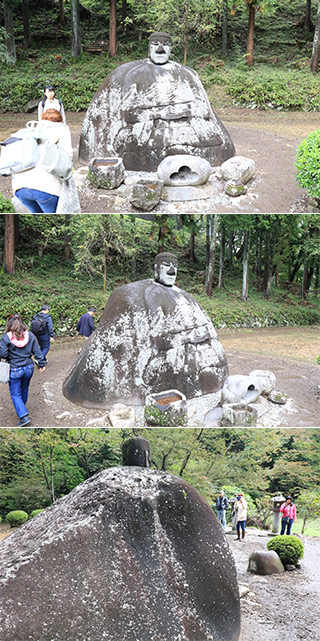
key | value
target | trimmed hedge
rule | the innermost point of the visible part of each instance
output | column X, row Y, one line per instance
column 289, row 548
column 35, row 512
column 16, row 518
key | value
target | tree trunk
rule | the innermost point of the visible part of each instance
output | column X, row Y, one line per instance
column 208, row 220
column 162, row 233
column 317, row 280
column 16, row 230
column 75, row 24
column 250, row 41
column 113, row 29
column 230, row 249
column 222, row 256
column 26, row 23
column 224, row 48
column 267, row 276
column 9, row 262
column 67, row 237
column 193, row 258
column 185, row 43
column 304, row 279
column 61, row 12
column 215, row 218
column 316, row 44
column 8, row 25
column 245, row 269
column 124, row 10
column 307, row 24
column 310, row 273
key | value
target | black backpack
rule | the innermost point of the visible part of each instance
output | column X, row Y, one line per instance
column 38, row 325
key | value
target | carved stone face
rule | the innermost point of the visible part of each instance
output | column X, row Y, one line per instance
column 159, row 52
column 165, row 272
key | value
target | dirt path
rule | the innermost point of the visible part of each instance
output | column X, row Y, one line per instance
column 289, row 352
column 269, row 137
column 280, row 606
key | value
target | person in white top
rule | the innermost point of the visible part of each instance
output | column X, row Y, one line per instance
column 50, row 102
column 37, row 189
column 240, row 508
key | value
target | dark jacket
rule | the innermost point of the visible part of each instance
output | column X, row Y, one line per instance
column 223, row 503
column 48, row 321
column 85, row 325
column 21, row 356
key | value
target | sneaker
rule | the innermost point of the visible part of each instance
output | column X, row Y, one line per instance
column 24, row 420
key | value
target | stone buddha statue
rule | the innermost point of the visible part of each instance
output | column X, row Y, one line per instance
column 152, row 336
column 148, row 109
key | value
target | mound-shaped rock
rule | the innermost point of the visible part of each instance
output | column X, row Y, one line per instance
column 130, row 555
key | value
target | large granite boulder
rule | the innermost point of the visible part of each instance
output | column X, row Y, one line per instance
column 130, row 555
column 151, row 337
column 148, row 109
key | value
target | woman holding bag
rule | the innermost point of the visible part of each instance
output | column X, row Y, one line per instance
column 36, row 188
column 17, row 346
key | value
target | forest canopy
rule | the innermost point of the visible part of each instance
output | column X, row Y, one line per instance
column 38, row 466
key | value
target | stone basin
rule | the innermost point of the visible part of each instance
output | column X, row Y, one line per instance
column 165, row 409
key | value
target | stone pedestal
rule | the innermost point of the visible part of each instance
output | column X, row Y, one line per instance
column 236, row 415
column 276, row 504
column 145, row 194
column 106, row 173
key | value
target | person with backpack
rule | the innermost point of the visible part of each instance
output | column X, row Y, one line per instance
column 221, row 505
column 37, row 188
column 17, row 346
column 42, row 328
column 50, row 102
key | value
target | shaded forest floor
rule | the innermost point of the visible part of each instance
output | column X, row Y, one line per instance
column 270, row 138
column 289, row 352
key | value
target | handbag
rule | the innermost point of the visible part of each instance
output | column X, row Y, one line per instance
column 4, row 372
column 68, row 202
column 285, row 519
column 56, row 160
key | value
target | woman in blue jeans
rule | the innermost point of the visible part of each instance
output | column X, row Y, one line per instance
column 38, row 189
column 17, row 346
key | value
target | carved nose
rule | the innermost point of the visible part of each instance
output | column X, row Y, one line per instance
column 171, row 271
column 160, row 49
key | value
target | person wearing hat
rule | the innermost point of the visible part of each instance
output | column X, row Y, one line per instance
column 288, row 511
column 221, row 505
column 44, row 339
column 50, row 102
column 85, row 325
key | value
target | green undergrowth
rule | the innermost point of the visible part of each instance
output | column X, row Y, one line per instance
column 70, row 297
column 264, row 86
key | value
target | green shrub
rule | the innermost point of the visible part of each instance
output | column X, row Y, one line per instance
column 289, row 548
column 308, row 164
column 6, row 206
column 16, row 518
column 35, row 512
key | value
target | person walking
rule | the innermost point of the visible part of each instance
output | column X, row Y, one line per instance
column 36, row 188
column 288, row 510
column 240, row 507
column 85, row 325
column 50, row 102
column 221, row 505
column 42, row 327
column 17, row 346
